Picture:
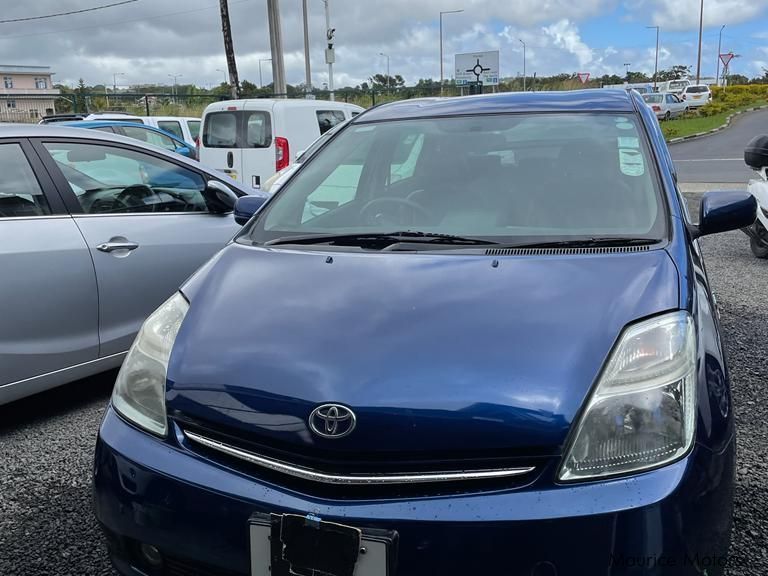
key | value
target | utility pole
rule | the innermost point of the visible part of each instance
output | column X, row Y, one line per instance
column 387, row 57
column 719, row 47
column 441, row 44
column 261, row 80
column 308, row 83
column 114, row 85
column 523, row 43
column 330, row 53
column 656, row 66
column 701, row 32
column 276, row 45
column 229, row 49
column 627, row 65
column 174, row 76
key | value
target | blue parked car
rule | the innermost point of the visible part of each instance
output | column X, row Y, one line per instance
column 467, row 336
column 147, row 134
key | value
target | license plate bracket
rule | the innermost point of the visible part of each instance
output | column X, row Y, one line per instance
column 310, row 546
column 295, row 545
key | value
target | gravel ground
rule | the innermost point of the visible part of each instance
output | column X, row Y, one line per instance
column 46, row 443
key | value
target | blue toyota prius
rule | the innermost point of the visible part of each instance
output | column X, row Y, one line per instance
column 467, row 336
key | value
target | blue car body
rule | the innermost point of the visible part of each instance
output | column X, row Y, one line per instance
column 183, row 148
column 455, row 359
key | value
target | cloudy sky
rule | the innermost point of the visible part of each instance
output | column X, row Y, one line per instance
column 149, row 39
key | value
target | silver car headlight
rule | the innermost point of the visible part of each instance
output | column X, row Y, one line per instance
column 642, row 412
column 139, row 393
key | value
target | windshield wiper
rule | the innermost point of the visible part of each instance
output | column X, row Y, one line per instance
column 384, row 239
column 587, row 242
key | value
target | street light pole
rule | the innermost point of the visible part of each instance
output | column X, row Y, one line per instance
column 656, row 66
column 261, row 81
column 701, row 32
column 523, row 43
column 276, row 46
column 226, row 79
column 627, row 65
column 387, row 57
column 307, row 70
column 330, row 55
column 719, row 47
column 441, row 44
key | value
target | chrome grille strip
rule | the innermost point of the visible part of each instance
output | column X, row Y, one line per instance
column 354, row 479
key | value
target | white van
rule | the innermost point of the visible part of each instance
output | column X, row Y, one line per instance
column 184, row 127
column 252, row 139
column 674, row 86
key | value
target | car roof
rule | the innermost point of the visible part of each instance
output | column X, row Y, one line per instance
column 272, row 103
column 164, row 118
column 108, row 123
column 596, row 100
column 75, row 130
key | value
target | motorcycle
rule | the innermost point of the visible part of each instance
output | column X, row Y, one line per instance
column 756, row 157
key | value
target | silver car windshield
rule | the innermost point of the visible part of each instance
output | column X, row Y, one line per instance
column 499, row 177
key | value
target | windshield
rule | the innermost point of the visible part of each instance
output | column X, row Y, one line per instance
column 502, row 178
column 696, row 89
column 653, row 98
column 678, row 85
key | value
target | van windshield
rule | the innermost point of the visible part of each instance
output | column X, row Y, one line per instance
column 496, row 177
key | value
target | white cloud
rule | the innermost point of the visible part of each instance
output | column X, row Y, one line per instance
column 565, row 35
column 684, row 14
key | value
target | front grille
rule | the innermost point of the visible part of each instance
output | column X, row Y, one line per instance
column 360, row 477
column 566, row 251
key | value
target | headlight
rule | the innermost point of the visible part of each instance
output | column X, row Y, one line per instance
column 139, row 393
column 642, row 411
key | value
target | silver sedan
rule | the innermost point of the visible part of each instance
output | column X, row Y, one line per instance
column 96, row 231
column 665, row 105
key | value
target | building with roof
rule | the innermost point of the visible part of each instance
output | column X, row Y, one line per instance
column 26, row 93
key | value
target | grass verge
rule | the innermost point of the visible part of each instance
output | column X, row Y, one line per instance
column 694, row 124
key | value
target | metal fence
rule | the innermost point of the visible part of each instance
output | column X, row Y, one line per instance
column 29, row 108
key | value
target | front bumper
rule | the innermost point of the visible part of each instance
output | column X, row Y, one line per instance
column 675, row 520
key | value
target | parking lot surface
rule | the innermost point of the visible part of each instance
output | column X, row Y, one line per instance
column 46, row 443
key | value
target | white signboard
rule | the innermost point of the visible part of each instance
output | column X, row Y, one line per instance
column 477, row 67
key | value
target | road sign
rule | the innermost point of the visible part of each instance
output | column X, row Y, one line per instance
column 583, row 77
column 477, row 67
column 726, row 58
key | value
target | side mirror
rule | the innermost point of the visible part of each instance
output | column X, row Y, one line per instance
column 724, row 211
column 756, row 153
column 184, row 151
column 246, row 207
column 219, row 197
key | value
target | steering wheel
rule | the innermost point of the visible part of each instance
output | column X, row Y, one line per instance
column 134, row 196
column 370, row 217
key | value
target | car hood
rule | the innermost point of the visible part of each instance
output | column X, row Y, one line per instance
column 435, row 353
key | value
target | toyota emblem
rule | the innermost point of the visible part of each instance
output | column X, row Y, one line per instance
column 332, row 421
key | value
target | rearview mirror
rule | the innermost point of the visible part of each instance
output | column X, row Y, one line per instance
column 219, row 197
column 724, row 211
column 246, row 207
column 86, row 154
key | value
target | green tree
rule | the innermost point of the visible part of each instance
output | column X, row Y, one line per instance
column 248, row 89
